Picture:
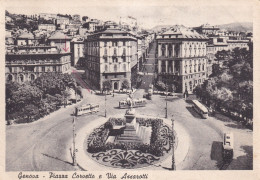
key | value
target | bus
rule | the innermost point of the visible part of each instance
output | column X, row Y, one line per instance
column 200, row 108
column 140, row 102
column 228, row 146
column 86, row 109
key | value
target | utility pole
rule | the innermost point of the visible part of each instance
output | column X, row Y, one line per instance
column 173, row 142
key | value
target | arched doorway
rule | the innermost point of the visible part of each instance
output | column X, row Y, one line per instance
column 9, row 77
column 115, row 85
column 32, row 77
column 20, row 78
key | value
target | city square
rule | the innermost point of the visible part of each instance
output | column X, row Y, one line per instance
column 88, row 94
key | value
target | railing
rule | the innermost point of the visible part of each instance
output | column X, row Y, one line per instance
column 33, row 53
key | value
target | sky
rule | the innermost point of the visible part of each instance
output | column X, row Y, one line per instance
column 148, row 14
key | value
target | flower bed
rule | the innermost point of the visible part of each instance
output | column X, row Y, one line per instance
column 161, row 137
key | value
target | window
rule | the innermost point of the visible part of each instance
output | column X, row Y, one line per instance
column 54, row 68
column 105, row 51
column 115, row 68
column 124, row 67
column 124, row 51
column 114, row 44
column 105, row 44
column 10, row 77
column 163, row 50
column 124, row 43
column 114, row 51
column 43, row 69
column 105, row 76
column 220, row 40
column 106, row 68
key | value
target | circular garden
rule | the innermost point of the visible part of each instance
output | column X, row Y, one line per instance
column 119, row 144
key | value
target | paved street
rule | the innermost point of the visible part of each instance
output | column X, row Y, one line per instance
column 43, row 145
column 148, row 68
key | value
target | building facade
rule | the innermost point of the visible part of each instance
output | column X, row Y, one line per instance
column 110, row 56
column 182, row 59
column 28, row 59
column 77, row 50
column 47, row 27
column 207, row 29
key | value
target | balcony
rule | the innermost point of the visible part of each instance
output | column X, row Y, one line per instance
column 169, row 73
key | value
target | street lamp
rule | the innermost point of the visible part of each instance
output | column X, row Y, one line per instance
column 74, row 142
column 173, row 142
column 105, row 101
column 166, row 108
column 74, row 134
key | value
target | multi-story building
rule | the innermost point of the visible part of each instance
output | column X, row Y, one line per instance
column 47, row 16
column 76, row 17
column 62, row 21
column 28, row 59
column 182, row 59
column 47, row 27
column 227, row 43
column 111, row 55
column 77, row 49
column 207, row 29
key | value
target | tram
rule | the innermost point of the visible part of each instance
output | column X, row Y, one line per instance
column 228, row 146
column 200, row 108
column 136, row 103
column 86, row 109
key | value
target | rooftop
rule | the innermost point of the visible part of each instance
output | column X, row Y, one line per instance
column 182, row 32
column 26, row 35
column 58, row 35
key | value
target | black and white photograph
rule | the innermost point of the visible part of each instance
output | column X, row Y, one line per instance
column 128, row 88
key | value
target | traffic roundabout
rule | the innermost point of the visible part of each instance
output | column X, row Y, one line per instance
column 115, row 142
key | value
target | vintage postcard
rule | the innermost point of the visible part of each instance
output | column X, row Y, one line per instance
column 129, row 89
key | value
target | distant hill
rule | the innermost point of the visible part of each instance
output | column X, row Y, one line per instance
column 159, row 27
column 238, row 26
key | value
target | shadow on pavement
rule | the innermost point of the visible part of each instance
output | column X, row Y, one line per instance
column 244, row 162
column 188, row 101
column 222, row 117
column 236, row 125
column 56, row 158
column 216, row 153
column 193, row 112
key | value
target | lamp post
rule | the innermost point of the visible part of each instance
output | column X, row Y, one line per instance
column 74, row 133
column 166, row 108
column 173, row 142
column 74, row 142
column 105, row 101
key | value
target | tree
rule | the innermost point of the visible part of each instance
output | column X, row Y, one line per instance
column 107, row 85
column 125, row 84
column 161, row 85
column 221, row 55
